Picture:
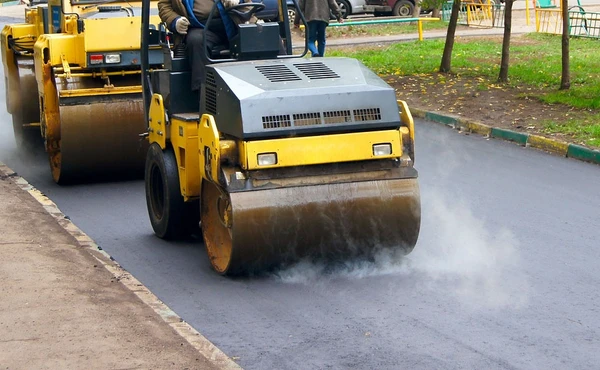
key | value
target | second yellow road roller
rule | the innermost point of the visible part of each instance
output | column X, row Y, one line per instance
column 73, row 83
column 279, row 157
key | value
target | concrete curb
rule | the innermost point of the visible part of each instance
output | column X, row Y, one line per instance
column 529, row 140
column 191, row 335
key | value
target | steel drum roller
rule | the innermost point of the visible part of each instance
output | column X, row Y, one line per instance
column 253, row 230
column 101, row 137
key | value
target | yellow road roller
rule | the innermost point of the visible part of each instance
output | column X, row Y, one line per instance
column 278, row 157
column 73, row 78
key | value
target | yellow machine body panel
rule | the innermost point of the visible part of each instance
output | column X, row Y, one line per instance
column 184, row 139
column 309, row 150
column 113, row 34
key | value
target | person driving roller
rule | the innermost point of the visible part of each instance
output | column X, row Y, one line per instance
column 187, row 20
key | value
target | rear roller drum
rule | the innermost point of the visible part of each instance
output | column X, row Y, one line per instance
column 170, row 216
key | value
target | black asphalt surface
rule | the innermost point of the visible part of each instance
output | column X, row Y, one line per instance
column 504, row 275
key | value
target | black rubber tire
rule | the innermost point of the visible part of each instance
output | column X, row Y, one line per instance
column 345, row 7
column 403, row 8
column 292, row 14
column 171, row 218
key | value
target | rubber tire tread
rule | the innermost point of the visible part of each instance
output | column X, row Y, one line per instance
column 399, row 4
column 178, row 217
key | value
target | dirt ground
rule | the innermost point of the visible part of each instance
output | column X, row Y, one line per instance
column 511, row 108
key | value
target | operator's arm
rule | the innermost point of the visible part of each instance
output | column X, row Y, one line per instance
column 167, row 14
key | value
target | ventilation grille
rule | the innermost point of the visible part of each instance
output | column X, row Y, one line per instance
column 278, row 73
column 339, row 116
column 307, row 119
column 316, row 71
column 318, row 118
column 276, row 121
column 369, row 114
column 210, row 96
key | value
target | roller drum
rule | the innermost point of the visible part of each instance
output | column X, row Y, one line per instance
column 102, row 138
column 254, row 230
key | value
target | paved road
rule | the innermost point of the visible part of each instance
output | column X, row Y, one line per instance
column 504, row 275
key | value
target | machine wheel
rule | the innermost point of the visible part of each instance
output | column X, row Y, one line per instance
column 216, row 226
column 403, row 8
column 170, row 216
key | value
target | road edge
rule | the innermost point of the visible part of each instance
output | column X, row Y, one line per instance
column 548, row 145
column 185, row 330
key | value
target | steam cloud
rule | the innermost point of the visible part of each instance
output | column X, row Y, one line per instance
column 456, row 253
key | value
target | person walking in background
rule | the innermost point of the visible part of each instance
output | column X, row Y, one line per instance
column 317, row 14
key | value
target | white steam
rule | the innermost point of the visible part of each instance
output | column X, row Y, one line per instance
column 457, row 254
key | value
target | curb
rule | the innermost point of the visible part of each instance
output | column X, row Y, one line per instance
column 186, row 331
column 529, row 140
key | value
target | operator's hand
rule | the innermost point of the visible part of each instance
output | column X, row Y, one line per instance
column 230, row 3
column 181, row 25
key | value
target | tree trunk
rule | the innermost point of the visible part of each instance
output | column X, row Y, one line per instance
column 565, row 81
column 436, row 13
column 417, row 9
column 446, row 64
column 504, row 63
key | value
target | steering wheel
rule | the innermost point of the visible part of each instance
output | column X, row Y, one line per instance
column 246, row 10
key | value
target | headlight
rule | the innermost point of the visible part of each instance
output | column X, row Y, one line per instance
column 112, row 58
column 382, row 149
column 267, row 159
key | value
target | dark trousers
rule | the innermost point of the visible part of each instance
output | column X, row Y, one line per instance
column 316, row 34
column 194, row 44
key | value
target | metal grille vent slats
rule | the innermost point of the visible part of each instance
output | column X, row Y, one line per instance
column 318, row 118
column 368, row 114
column 340, row 116
column 210, row 97
column 276, row 121
column 307, row 119
column 316, row 71
column 278, row 73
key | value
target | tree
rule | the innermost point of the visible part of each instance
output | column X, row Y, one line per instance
column 446, row 64
column 565, row 81
column 504, row 63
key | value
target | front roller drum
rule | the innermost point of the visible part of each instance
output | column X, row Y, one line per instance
column 250, row 231
column 99, row 137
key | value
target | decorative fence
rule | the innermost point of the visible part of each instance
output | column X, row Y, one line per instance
column 548, row 17
column 477, row 13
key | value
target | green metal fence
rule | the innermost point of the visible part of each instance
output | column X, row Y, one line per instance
column 584, row 24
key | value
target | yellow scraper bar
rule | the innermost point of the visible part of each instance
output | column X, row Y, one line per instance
column 320, row 149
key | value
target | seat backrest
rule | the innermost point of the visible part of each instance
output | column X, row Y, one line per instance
column 545, row 4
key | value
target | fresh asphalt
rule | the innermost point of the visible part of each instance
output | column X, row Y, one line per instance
column 504, row 275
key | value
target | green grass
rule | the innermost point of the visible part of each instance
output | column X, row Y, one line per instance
column 587, row 131
column 382, row 29
column 535, row 61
